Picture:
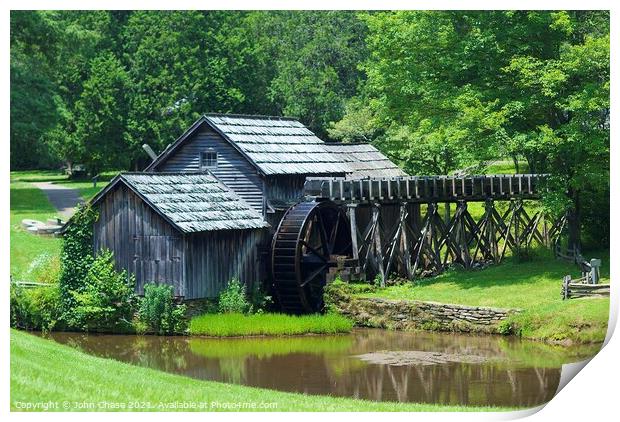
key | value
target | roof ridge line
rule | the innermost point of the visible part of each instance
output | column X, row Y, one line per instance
column 167, row 173
column 260, row 116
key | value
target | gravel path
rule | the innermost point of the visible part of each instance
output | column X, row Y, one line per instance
column 64, row 199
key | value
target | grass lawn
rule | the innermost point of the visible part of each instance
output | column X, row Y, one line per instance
column 85, row 186
column 30, row 254
column 533, row 286
column 228, row 325
column 33, row 256
column 43, row 371
column 506, row 167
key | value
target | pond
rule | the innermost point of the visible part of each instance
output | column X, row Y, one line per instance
column 369, row 364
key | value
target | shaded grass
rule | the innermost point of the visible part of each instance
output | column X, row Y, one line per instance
column 228, row 325
column 44, row 371
column 85, row 186
column 37, row 176
column 576, row 320
column 506, row 167
column 533, row 286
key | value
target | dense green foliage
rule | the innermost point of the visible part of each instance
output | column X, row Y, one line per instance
column 36, row 308
column 43, row 371
column 106, row 300
column 234, row 299
column 449, row 90
column 90, row 87
column 436, row 91
column 76, row 256
column 235, row 324
column 160, row 313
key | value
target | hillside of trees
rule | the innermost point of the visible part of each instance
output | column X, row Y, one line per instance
column 435, row 91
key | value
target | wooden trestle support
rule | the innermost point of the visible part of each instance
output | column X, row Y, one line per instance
column 425, row 243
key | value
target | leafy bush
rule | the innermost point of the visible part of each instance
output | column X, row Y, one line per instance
column 36, row 308
column 233, row 299
column 106, row 301
column 335, row 293
column 76, row 256
column 508, row 327
column 260, row 301
column 159, row 312
column 45, row 268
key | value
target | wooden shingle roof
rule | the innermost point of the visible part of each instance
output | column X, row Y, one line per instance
column 283, row 145
column 191, row 202
column 277, row 145
column 364, row 160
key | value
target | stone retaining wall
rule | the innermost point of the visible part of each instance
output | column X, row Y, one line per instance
column 413, row 314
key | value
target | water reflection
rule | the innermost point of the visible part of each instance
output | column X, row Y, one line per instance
column 519, row 373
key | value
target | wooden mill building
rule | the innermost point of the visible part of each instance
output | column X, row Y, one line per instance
column 205, row 209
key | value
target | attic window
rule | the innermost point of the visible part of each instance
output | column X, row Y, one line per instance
column 208, row 159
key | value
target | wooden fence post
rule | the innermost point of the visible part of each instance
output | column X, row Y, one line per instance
column 565, row 287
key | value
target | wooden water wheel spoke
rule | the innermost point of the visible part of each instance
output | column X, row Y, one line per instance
column 313, row 275
column 314, row 251
column 332, row 237
column 323, row 234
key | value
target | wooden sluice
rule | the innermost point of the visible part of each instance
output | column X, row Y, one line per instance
column 400, row 225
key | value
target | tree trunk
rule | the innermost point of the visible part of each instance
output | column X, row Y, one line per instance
column 531, row 164
column 574, row 223
column 515, row 160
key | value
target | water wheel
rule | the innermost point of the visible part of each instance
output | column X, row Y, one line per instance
column 312, row 238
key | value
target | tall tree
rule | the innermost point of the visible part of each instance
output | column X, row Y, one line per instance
column 101, row 113
column 316, row 57
column 180, row 67
column 450, row 89
column 34, row 95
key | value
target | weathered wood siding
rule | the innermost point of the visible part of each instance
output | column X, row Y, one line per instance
column 233, row 169
column 285, row 188
column 214, row 258
column 143, row 243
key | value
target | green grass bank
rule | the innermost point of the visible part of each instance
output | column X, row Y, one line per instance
column 533, row 286
column 268, row 324
column 40, row 373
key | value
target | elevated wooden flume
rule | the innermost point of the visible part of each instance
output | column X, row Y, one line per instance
column 426, row 189
column 376, row 227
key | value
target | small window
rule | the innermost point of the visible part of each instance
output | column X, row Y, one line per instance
column 208, row 159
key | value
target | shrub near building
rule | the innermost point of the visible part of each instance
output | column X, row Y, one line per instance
column 107, row 300
column 158, row 312
column 90, row 295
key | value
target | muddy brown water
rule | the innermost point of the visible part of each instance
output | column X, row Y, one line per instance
column 478, row 370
